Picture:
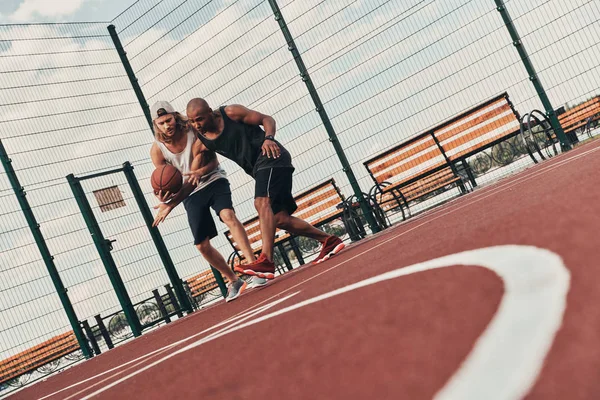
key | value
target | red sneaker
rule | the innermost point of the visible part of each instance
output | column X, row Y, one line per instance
column 262, row 267
column 331, row 246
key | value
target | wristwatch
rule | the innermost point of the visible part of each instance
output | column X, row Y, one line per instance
column 270, row 137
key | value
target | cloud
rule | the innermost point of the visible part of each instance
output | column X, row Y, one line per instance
column 44, row 8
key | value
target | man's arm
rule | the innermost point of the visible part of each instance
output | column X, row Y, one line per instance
column 204, row 162
column 240, row 113
column 164, row 208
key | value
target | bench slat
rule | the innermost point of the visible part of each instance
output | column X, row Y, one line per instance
column 37, row 356
column 462, row 125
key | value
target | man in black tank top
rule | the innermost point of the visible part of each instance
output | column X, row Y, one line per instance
column 235, row 132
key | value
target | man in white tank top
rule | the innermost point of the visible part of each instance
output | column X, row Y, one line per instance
column 206, row 188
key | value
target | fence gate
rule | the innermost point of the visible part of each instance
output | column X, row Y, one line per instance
column 132, row 251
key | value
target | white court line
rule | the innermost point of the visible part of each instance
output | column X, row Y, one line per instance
column 239, row 319
column 430, row 217
column 507, row 358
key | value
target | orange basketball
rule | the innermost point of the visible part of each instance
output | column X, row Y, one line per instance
column 166, row 178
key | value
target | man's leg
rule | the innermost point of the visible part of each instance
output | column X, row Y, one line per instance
column 215, row 259
column 203, row 229
column 298, row 226
column 236, row 286
column 331, row 245
column 238, row 233
column 267, row 225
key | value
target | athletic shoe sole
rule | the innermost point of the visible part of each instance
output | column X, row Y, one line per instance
column 228, row 299
column 264, row 275
column 333, row 252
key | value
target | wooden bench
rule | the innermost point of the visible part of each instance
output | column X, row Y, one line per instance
column 408, row 172
column 38, row 356
column 580, row 116
column 317, row 206
column 431, row 161
column 201, row 284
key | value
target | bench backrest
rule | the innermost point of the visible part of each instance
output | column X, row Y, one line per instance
column 201, row 283
column 412, row 158
column 315, row 205
column 577, row 116
column 456, row 138
column 38, row 355
column 477, row 127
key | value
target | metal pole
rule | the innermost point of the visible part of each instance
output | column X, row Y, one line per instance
column 533, row 76
column 220, row 281
column 45, row 252
column 104, row 247
column 134, row 82
column 324, row 117
column 163, row 252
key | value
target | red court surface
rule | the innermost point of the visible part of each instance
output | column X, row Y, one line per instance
column 491, row 296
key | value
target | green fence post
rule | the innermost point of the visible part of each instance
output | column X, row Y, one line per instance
column 104, row 247
column 533, row 76
column 134, row 82
column 220, row 281
column 45, row 252
column 157, row 238
column 144, row 104
column 366, row 209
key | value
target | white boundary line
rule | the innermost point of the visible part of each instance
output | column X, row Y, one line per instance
column 508, row 357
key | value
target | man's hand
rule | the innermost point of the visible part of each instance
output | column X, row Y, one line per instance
column 270, row 149
column 164, row 197
column 194, row 177
column 163, row 211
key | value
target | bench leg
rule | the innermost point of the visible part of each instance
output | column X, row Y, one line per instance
column 469, row 174
column 90, row 335
column 173, row 300
column 400, row 203
column 286, row 259
column 104, row 332
column 161, row 306
column 296, row 250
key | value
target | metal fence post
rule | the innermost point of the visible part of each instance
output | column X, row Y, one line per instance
column 157, row 238
column 104, row 247
column 364, row 205
column 533, row 76
column 144, row 104
column 134, row 82
column 45, row 252
column 220, row 281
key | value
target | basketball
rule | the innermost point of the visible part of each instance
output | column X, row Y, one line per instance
column 166, row 178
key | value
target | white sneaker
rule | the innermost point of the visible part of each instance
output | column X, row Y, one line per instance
column 256, row 282
column 235, row 289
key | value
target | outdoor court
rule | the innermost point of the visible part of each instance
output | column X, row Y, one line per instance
column 491, row 296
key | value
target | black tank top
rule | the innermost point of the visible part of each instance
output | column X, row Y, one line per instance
column 242, row 143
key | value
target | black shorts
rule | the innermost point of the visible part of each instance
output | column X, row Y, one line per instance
column 276, row 184
column 216, row 195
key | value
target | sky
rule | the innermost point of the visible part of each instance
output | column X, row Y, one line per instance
column 385, row 70
column 34, row 11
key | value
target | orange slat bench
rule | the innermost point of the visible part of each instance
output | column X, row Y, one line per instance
column 409, row 172
column 38, row 356
column 580, row 115
column 430, row 162
column 318, row 205
column 477, row 129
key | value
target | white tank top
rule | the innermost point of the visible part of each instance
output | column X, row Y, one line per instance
column 183, row 162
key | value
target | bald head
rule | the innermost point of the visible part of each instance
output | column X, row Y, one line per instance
column 198, row 105
column 200, row 115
